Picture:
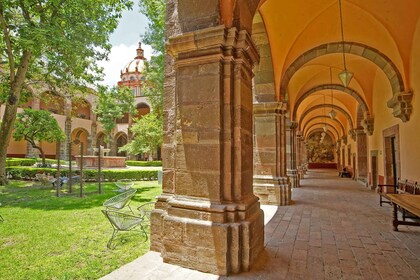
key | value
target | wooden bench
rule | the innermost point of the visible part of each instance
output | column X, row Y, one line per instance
column 408, row 202
column 402, row 187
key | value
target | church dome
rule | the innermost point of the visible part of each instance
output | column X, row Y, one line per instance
column 136, row 65
column 132, row 70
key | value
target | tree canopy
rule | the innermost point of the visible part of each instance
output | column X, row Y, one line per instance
column 37, row 126
column 147, row 135
column 154, row 36
column 112, row 104
column 55, row 43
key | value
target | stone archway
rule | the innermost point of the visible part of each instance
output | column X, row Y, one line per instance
column 343, row 131
column 83, row 136
column 337, row 87
column 321, row 106
column 400, row 102
column 120, row 140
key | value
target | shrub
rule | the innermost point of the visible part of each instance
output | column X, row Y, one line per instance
column 29, row 161
column 28, row 173
column 20, row 162
column 143, row 163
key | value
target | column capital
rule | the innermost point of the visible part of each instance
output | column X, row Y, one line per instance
column 214, row 41
column 401, row 105
column 368, row 124
column 265, row 108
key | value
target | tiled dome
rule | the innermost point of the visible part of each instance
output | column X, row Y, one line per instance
column 135, row 66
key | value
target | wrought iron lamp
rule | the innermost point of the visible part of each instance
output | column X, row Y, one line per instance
column 345, row 75
column 325, row 121
column 332, row 113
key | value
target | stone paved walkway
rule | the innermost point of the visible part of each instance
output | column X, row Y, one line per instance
column 335, row 230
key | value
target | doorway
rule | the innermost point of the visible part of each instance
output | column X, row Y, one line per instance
column 374, row 169
column 391, row 158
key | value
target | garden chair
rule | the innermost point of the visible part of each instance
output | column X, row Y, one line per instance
column 120, row 201
column 123, row 222
column 1, row 217
column 146, row 210
column 124, row 185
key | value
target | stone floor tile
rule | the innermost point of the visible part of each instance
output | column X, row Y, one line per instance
column 334, row 230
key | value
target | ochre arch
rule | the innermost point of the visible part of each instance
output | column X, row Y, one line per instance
column 322, row 117
column 320, row 106
column 371, row 54
column 306, row 132
column 337, row 87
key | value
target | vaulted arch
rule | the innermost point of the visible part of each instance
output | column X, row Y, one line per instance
column 383, row 62
column 320, row 106
column 323, row 117
column 337, row 87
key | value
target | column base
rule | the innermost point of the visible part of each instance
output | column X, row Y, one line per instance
column 294, row 178
column 272, row 191
column 215, row 238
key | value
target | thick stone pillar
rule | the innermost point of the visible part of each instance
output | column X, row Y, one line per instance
column 207, row 217
column 338, row 153
column 292, row 172
column 270, row 184
column 362, row 156
column 112, row 144
column 92, row 138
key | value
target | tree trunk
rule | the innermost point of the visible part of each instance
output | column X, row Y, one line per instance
column 42, row 153
column 9, row 116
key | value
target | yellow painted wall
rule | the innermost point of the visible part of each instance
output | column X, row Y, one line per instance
column 410, row 132
column 16, row 147
column 383, row 118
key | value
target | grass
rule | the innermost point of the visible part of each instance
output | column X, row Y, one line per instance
column 45, row 237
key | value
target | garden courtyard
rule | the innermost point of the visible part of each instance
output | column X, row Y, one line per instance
column 48, row 237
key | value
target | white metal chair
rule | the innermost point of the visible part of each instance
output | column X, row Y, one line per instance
column 123, row 222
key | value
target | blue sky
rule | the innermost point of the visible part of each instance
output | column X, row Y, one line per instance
column 124, row 44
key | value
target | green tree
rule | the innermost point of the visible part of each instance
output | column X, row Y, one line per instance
column 54, row 41
column 37, row 126
column 147, row 133
column 112, row 104
column 154, row 36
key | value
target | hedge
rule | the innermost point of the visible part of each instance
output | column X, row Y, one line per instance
column 143, row 163
column 28, row 173
column 28, row 161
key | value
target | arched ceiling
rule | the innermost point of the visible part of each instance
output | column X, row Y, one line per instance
column 305, row 42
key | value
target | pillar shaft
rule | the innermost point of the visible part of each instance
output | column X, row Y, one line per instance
column 270, row 183
column 362, row 156
column 207, row 217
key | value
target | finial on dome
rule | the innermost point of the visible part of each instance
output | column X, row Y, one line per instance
column 139, row 44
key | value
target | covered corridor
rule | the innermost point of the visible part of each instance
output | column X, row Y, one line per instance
column 335, row 229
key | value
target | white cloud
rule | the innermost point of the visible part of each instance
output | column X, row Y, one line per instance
column 119, row 56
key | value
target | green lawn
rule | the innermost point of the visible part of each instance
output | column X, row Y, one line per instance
column 45, row 237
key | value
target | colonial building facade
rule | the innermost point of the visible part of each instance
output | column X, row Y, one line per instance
column 78, row 120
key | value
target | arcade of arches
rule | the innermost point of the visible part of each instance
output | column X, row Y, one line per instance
column 249, row 86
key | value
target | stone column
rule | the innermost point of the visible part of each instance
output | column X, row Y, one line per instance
column 292, row 172
column 270, row 184
column 207, row 217
column 92, row 138
column 338, row 151
column 362, row 156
